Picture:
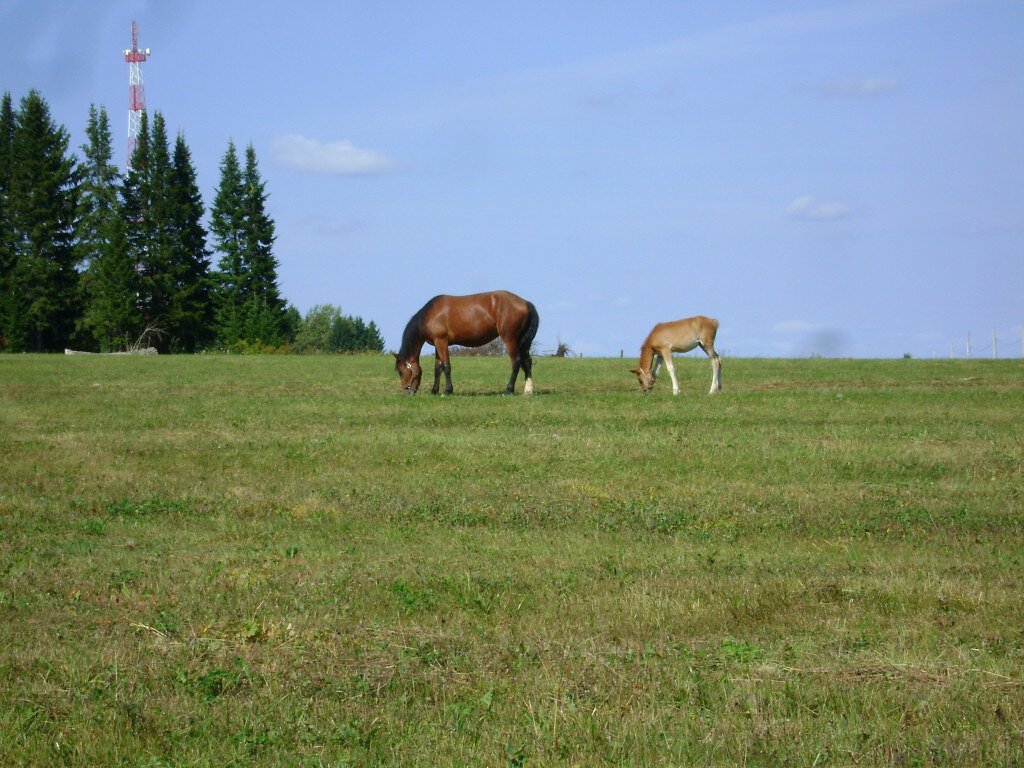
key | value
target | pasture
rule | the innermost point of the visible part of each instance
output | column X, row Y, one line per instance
column 281, row 561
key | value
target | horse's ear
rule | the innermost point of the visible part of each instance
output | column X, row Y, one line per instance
column 637, row 371
column 398, row 357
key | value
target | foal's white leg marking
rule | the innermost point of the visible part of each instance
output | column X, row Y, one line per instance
column 672, row 373
column 716, row 375
column 529, row 387
column 655, row 368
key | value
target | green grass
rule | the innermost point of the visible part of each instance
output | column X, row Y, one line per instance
column 218, row 560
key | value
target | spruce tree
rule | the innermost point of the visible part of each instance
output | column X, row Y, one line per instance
column 97, row 203
column 373, row 339
column 163, row 213
column 264, row 306
column 7, row 288
column 135, row 195
column 249, row 304
column 155, row 255
column 190, row 311
column 110, row 314
column 227, row 228
column 39, row 205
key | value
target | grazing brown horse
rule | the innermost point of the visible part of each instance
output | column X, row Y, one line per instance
column 469, row 321
column 678, row 336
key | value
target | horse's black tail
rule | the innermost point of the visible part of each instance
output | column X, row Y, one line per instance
column 529, row 331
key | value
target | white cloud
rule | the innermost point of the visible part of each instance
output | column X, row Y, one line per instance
column 333, row 158
column 795, row 326
column 860, row 89
column 809, row 208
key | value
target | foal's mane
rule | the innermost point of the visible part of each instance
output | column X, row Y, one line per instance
column 413, row 333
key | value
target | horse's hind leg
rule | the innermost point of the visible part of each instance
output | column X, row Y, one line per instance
column 517, row 363
column 519, row 360
column 716, row 368
column 716, row 374
column 528, row 372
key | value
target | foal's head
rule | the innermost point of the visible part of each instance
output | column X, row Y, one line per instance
column 409, row 373
column 645, row 379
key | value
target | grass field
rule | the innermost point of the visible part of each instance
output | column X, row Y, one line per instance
column 280, row 561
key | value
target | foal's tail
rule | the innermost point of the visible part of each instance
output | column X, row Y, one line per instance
column 529, row 330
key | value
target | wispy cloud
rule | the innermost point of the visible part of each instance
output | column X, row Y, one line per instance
column 333, row 158
column 810, row 208
column 652, row 72
column 856, row 89
column 795, row 326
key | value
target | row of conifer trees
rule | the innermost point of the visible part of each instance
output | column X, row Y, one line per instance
column 101, row 260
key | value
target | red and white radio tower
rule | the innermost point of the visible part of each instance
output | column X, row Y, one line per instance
column 136, row 93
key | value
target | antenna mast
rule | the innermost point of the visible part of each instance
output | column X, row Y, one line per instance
column 136, row 92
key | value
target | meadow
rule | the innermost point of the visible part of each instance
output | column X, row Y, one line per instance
column 281, row 561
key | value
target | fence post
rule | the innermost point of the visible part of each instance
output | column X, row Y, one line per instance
column 968, row 345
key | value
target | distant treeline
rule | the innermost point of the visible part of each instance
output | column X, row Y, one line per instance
column 100, row 260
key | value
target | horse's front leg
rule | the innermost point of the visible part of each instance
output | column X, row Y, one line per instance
column 443, row 365
column 671, row 372
column 437, row 375
column 655, row 368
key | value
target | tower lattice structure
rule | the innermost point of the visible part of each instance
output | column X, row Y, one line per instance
column 136, row 91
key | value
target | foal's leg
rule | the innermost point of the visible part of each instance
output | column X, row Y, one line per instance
column 655, row 368
column 671, row 372
column 716, row 368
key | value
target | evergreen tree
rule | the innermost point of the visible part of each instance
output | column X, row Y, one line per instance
column 39, row 205
column 155, row 255
column 373, row 339
column 8, row 304
column 227, row 227
column 190, row 311
column 249, row 303
column 264, row 306
column 97, row 204
column 163, row 211
column 326, row 329
column 135, row 196
column 110, row 281
column 352, row 334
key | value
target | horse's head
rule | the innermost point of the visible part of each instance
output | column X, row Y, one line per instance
column 409, row 373
column 645, row 379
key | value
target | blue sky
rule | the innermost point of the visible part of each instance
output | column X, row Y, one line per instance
column 833, row 177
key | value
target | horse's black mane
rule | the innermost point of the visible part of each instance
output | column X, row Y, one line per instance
column 412, row 334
